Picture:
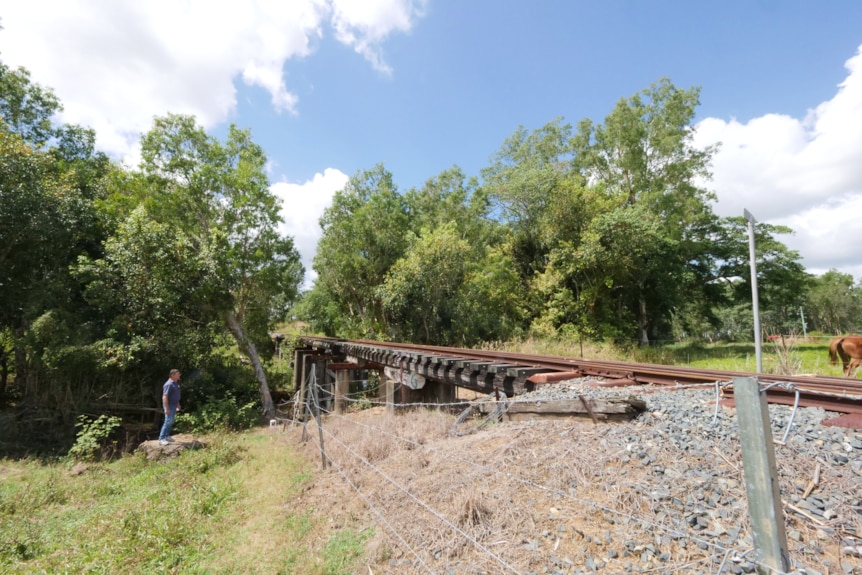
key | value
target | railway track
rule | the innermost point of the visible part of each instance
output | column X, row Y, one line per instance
column 515, row 373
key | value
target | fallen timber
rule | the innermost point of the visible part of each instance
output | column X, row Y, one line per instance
column 515, row 373
column 611, row 409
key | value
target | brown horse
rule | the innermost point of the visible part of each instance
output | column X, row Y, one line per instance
column 849, row 349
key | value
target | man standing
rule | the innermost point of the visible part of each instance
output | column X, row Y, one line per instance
column 171, row 404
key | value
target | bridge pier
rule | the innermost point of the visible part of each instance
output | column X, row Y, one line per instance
column 342, row 389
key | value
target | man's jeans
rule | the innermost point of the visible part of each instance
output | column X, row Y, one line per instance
column 169, row 422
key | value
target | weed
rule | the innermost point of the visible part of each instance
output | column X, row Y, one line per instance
column 342, row 550
column 210, row 499
column 787, row 359
column 94, row 436
column 299, row 525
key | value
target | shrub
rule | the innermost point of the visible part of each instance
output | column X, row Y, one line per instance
column 219, row 414
column 94, row 436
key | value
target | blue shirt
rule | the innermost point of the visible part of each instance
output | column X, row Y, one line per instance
column 172, row 390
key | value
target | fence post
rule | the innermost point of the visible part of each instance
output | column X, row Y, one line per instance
column 304, row 376
column 318, row 415
column 761, row 477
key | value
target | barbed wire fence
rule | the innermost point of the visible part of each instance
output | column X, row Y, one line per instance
column 343, row 455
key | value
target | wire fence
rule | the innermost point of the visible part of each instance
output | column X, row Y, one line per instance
column 336, row 451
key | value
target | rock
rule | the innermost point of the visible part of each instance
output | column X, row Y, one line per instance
column 154, row 451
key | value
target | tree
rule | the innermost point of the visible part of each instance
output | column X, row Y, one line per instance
column 27, row 108
column 602, row 283
column 834, row 303
column 420, row 291
column 643, row 155
column 49, row 179
column 244, row 272
column 484, row 296
column 492, row 300
column 145, row 286
column 364, row 234
column 521, row 181
column 782, row 280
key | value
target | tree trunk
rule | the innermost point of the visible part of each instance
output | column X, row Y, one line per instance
column 22, row 376
column 642, row 321
column 248, row 348
column 4, row 375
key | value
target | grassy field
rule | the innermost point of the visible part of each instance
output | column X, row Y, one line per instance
column 790, row 356
column 232, row 508
column 223, row 509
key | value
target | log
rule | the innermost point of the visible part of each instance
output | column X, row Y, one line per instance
column 611, row 409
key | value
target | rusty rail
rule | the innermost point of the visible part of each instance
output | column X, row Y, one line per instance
column 839, row 394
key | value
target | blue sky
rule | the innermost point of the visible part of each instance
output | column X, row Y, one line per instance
column 330, row 87
column 470, row 72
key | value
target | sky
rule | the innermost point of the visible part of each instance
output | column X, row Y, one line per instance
column 332, row 87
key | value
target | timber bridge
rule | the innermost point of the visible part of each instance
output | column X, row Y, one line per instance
column 432, row 374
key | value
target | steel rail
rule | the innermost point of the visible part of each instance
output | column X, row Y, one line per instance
column 833, row 393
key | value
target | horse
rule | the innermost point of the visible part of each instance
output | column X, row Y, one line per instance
column 849, row 349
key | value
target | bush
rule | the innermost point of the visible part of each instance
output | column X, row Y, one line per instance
column 94, row 436
column 219, row 414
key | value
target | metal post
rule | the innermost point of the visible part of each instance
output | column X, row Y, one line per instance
column 761, row 477
column 804, row 327
column 758, row 347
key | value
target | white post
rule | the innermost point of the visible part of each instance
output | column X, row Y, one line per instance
column 758, row 347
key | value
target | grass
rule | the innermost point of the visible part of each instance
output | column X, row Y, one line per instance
column 251, row 503
column 227, row 508
column 790, row 356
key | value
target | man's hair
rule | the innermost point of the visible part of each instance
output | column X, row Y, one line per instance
column 174, row 371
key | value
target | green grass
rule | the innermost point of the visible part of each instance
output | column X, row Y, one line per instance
column 227, row 508
column 791, row 357
column 796, row 358
column 342, row 550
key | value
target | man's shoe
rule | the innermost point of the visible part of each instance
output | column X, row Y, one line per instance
column 169, row 439
column 163, row 442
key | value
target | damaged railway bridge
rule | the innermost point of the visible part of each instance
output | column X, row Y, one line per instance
column 413, row 374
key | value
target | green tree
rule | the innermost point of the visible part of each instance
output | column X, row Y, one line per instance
column 643, row 155
column 364, row 234
column 49, row 179
column 26, row 107
column 420, row 291
column 245, row 273
column 492, row 300
column 146, row 286
column 521, row 182
column 834, row 303
column 782, row 281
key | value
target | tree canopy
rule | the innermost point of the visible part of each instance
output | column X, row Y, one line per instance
column 110, row 275
column 604, row 231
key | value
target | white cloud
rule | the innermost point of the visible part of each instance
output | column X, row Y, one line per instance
column 115, row 65
column 804, row 173
column 302, row 206
column 365, row 25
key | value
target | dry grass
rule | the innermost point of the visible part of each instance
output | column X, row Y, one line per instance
column 528, row 494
